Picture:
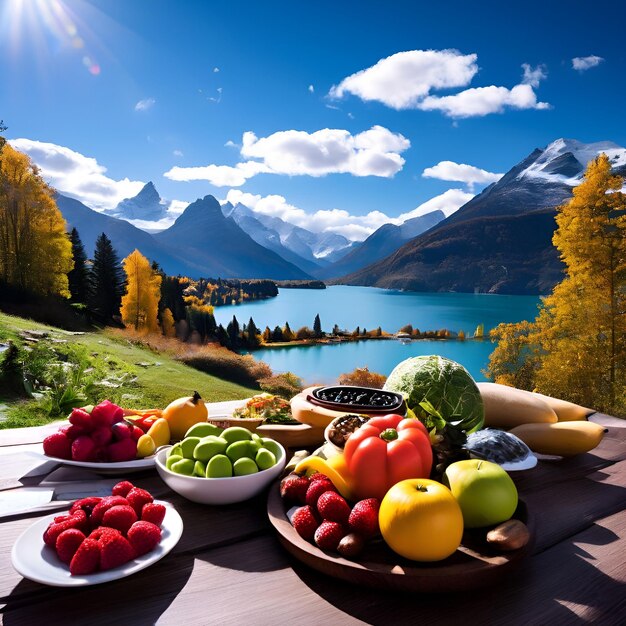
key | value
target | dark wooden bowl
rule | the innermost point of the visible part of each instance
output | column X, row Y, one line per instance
column 474, row 564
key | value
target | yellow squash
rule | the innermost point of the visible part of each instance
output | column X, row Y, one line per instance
column 562, row 438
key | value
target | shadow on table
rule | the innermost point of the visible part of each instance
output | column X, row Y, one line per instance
column 138, row 599
column 552, row 587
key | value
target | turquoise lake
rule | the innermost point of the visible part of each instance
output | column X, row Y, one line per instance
column 369, row 307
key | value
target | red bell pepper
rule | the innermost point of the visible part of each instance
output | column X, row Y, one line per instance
column 386, row 450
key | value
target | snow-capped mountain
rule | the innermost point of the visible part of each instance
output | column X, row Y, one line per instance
column 501, row 240
column 147, row 205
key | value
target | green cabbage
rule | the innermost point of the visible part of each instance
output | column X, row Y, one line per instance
column 439, row 391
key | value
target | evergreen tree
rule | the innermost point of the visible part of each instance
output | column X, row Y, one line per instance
column 253, row 335
column 317, row 327
column 277, row 334
column 223, row 337
column 233, row 333
column 78, row 277
column 288, row 333
column 172, row 297
column 107, row 279
column 267, row 335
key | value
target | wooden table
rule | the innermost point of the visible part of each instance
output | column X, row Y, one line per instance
column 228, row 567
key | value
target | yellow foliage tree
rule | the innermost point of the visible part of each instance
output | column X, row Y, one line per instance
column 576, row 348
column 140, row 303
column 167, row 323
column 35, row 250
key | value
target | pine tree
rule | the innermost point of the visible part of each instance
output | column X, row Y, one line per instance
column 78, row 277
column 267, row 335
column 277, row 334
column 35, row 251
column 317, row 327
column 253, row 335
column 107, row 279
column 233, row 333
column 576, row 348
column 140, row 303
column 288, row 333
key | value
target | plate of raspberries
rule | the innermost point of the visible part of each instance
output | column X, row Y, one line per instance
column 99, row 539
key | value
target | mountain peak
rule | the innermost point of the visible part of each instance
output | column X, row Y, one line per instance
column 146, row 205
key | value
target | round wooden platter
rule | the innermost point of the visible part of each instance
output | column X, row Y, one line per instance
column 474, row 564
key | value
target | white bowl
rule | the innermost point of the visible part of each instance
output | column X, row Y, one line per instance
column 219, row 490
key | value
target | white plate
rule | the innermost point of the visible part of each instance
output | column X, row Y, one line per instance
column 123, row 467
column 34, row 560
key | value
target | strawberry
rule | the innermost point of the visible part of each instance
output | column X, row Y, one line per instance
column 82, row 448
column 293, row 488
column 67, row 543
column 58, row 445
column 81, row 419
column 102, row 435
column 104, row 533
column 77, row 520
column 86, row 504
column 104, row 505
column 328, row 535
column 364, row 518
column 121, row 517
column 87, row 558
column 106, row 414
column 72, row 431
column 115, row 551
column 305, row 522
column 122, row 488
column 154, row 513
column 122, row 450
column 316, row 489
column 144, row 536
column 137, row 498
column 318, row 476
column 333, row 507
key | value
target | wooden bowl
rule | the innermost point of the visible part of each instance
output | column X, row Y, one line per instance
column 474, row 564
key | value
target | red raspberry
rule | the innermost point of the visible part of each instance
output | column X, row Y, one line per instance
column 67, row 543
column 104, row 505
column 144, row 536
column 122, row 488
column 122, row 450
column 316, row 489
column 154, row 513
column 86, row 504
column 121, row 517
column 328, row 535
column 305, row 522
column 364, row 518
column 102, row 436
column 106, row 414
column 77, row 520
column 115, row 551
column 58, row 445
column 293, row 488
column 87, row 558
column 81, row 419
column 331, row 506
column 137, row 498
column 82, row 448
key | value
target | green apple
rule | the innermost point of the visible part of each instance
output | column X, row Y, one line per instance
column 204, row 429
column 171, row 459
column 199, row 469
column 265, row 459
column 209, row 447
column 188, row 445
column 236, row 433
column 244, row 466
column 484, row 491
column 176, row 450
column 240, row 449
column 219, row 467
column 185, row 466
column 273, row 447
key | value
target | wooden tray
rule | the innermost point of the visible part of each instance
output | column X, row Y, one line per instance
column 293, row 436
column 474, row 564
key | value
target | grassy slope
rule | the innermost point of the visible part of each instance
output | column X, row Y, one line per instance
column 156, row 386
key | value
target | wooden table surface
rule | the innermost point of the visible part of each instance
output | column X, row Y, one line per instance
column 229, row 568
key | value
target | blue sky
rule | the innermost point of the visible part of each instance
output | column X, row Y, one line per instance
column 129, row 91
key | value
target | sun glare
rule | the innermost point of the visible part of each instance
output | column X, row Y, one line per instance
column 48, row 26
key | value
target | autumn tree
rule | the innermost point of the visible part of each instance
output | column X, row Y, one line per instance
column 140, row 303
column 167, row 323
column 576, row 348
column 35, row 251
column 107, row 280
column 78, row 277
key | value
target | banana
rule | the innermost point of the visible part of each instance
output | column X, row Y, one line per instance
column 561, row 438
column 308, row 413
column 335, row 469
column 565, row 411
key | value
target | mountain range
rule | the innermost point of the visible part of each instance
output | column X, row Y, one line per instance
column 501, row 240
column 498, row 242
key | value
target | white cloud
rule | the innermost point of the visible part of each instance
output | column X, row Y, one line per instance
column 374, row 152
column 217, row 99
column 311, row 89
column 584, row 63
column 178, row 153
column 78, row 176
column 405, row 81
column 144, row 105
column 354, row 227
column 481, row 101
column 231, row 144
column 469, row 174
column 533, row 76
column 402, row 80
column 216, row 70
column 176, row 207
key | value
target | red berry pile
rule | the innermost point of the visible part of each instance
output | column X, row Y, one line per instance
column 326, row 518
column 97, row 436
column 102, row 533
